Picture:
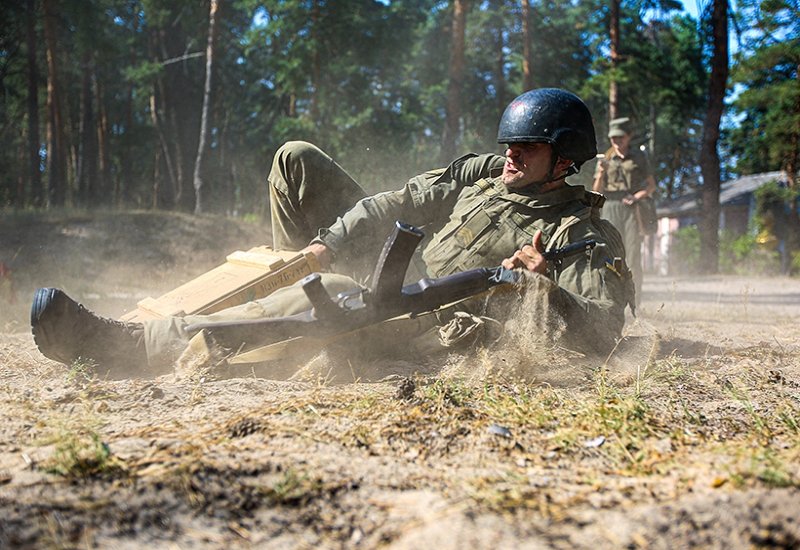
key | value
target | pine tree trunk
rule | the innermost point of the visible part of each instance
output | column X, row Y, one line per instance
column 34, row 145
column 791, row 168
column 17, row 191
column 709, row 155
column 86, row 168
column 157, row 179
column 452, row 121
column 792, row 159
column 172, row 131
column 107, row 192
column 201, row 144
column 613, row 88
column 167, row 194
column 56, row 146
column 527, row 73
column 164, row 150
column 652, row 123
column 175, row 114
column 316, row 69
column 500, row 62
column 226, row 162
column 124, row 178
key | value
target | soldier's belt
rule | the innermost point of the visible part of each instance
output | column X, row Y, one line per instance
column 616, row 195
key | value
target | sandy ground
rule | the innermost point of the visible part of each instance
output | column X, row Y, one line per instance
column 688, row 435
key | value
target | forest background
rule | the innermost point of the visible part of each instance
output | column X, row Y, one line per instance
column 180, row 105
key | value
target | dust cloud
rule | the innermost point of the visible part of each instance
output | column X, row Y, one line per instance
column 515, row 333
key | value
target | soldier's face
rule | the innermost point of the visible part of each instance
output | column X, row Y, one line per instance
column 526, row 163
column 621, row 143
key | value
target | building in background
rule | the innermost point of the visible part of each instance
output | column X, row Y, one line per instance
column 738, row 207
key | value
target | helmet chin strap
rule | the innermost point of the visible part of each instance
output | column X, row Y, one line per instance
column 550, row 177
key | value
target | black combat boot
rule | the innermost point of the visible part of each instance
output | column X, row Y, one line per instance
column 65, row 331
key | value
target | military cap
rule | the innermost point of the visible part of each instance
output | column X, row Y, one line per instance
column 619, row 127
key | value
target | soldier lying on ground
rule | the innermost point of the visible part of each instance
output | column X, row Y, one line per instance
column 482, row 210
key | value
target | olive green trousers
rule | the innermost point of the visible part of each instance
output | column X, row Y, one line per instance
column 308, row 190
column 623, row 217
column 166, row 339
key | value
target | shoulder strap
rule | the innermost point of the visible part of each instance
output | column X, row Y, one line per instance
column 582, row 214
column 486, row 187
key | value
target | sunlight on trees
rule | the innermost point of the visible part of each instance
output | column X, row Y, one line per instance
column 103, row 100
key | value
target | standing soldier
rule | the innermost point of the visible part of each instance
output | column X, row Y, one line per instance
column 624, row 177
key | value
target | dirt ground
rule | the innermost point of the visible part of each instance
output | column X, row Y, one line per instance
column 687, row 435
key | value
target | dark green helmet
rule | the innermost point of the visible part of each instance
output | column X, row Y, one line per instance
column 553, row 116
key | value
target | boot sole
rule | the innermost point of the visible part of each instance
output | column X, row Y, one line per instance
column 43, row 299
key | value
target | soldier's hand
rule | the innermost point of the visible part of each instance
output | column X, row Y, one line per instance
column 529, row 256
column 322, row 252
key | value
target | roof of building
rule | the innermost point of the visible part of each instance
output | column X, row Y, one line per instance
column 731, row 192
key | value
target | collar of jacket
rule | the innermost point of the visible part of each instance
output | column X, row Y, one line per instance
column 566, row 193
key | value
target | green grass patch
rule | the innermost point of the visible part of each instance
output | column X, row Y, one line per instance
column 79, row 451
column 771, row 467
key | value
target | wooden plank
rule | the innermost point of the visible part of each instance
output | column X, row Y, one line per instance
column 244, row 277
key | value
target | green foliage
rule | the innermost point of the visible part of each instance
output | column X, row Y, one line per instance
column 79, row 455
column 777, row 225
column 78, row 449
column 768, row 106
column 444, row 392
column 772, row 197
column 738, row 254
column 735, row 251
column 662, row 81
column 754, row 252
column 685, row 250
column 144, row 72
column 293, row 488
column 367, row 81
column 81, row 372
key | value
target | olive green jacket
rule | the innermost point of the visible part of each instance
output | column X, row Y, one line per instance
column 623, row 176
column 475, row 221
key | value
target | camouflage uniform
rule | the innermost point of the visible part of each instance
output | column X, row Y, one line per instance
column 471, row 220
column 623, row 177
